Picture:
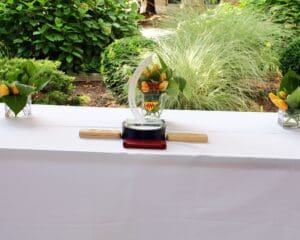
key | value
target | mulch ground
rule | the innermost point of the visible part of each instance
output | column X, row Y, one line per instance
column 98, row 94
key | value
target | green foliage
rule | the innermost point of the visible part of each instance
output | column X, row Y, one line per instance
column 223, row 54
column 3, row 50
column 291, row 58
column 286, row 12
column 119, row 61
column 58, row 98
column 72, row 31
column 28, row 71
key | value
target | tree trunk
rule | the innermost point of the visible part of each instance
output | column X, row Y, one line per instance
column 151, row 7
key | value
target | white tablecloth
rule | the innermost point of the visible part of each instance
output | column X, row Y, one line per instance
column 242, row 185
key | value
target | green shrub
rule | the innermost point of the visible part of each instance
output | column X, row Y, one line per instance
column 72, row 31
column 59, row 89
column 222, row 54
column 291, row 58
column 285, row 12
column 120, row 59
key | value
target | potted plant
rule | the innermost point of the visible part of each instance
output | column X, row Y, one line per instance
column 17, row 88
column 287, row 100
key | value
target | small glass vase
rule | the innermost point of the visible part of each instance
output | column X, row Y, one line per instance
column 289, row 119
column 153, row 104
column 24, row 113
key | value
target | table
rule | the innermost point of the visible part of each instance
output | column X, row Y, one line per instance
column 243, row 184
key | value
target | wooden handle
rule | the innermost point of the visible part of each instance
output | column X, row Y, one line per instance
column 101, row 134
column 187, row 137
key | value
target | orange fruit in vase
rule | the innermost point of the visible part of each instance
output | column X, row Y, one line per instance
column 282, row 94
column 14, row 89
column 278, row 102
column 4, row 90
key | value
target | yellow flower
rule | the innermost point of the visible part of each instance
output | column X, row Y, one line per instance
column 163, row 86
column 163, row 77
column 278, row 102
column 268, row 44
column 14, row 89
column 4, row 90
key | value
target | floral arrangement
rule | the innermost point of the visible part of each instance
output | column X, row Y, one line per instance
column 18, row 86
column 156, row 80
column 288, row 94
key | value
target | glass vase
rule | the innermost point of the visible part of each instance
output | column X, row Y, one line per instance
column 24, row 113
column 289, row 119
column 153, row 104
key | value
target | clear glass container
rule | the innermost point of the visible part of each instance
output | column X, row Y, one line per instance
column 24, row 113
column 289, row 119
column 152, row 105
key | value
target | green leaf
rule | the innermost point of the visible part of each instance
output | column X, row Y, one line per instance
column 173, row 89
column 162, row 62
column 290, row 82
column 58, row 22
column 181, row 82
column 39, row 83
column 15, row 102
column 76, row 54
column 54, row 37
column 69, row 58
column 25, row 89
column 293, row 100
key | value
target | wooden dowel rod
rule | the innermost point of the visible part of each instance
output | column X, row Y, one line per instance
column 171, row 136
column 187, row 137
column 101, row 134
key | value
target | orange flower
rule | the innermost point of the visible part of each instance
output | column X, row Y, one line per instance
column 4, row 90
column 14, row 89
column 163, row 86
column 145, row 87
column 163, row 77
column 278, row 102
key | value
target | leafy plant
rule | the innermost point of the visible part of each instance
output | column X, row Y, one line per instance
column 19, row 84
column 288, row 94
column 223, row 54
column 29, row 71
column 291, row 58
column 119, row 61
column 72, row 31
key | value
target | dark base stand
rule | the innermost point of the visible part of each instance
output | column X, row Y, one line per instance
column 150, row 134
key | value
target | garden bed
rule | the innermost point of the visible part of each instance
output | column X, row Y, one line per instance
column 100, row 96
column 96, row 91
